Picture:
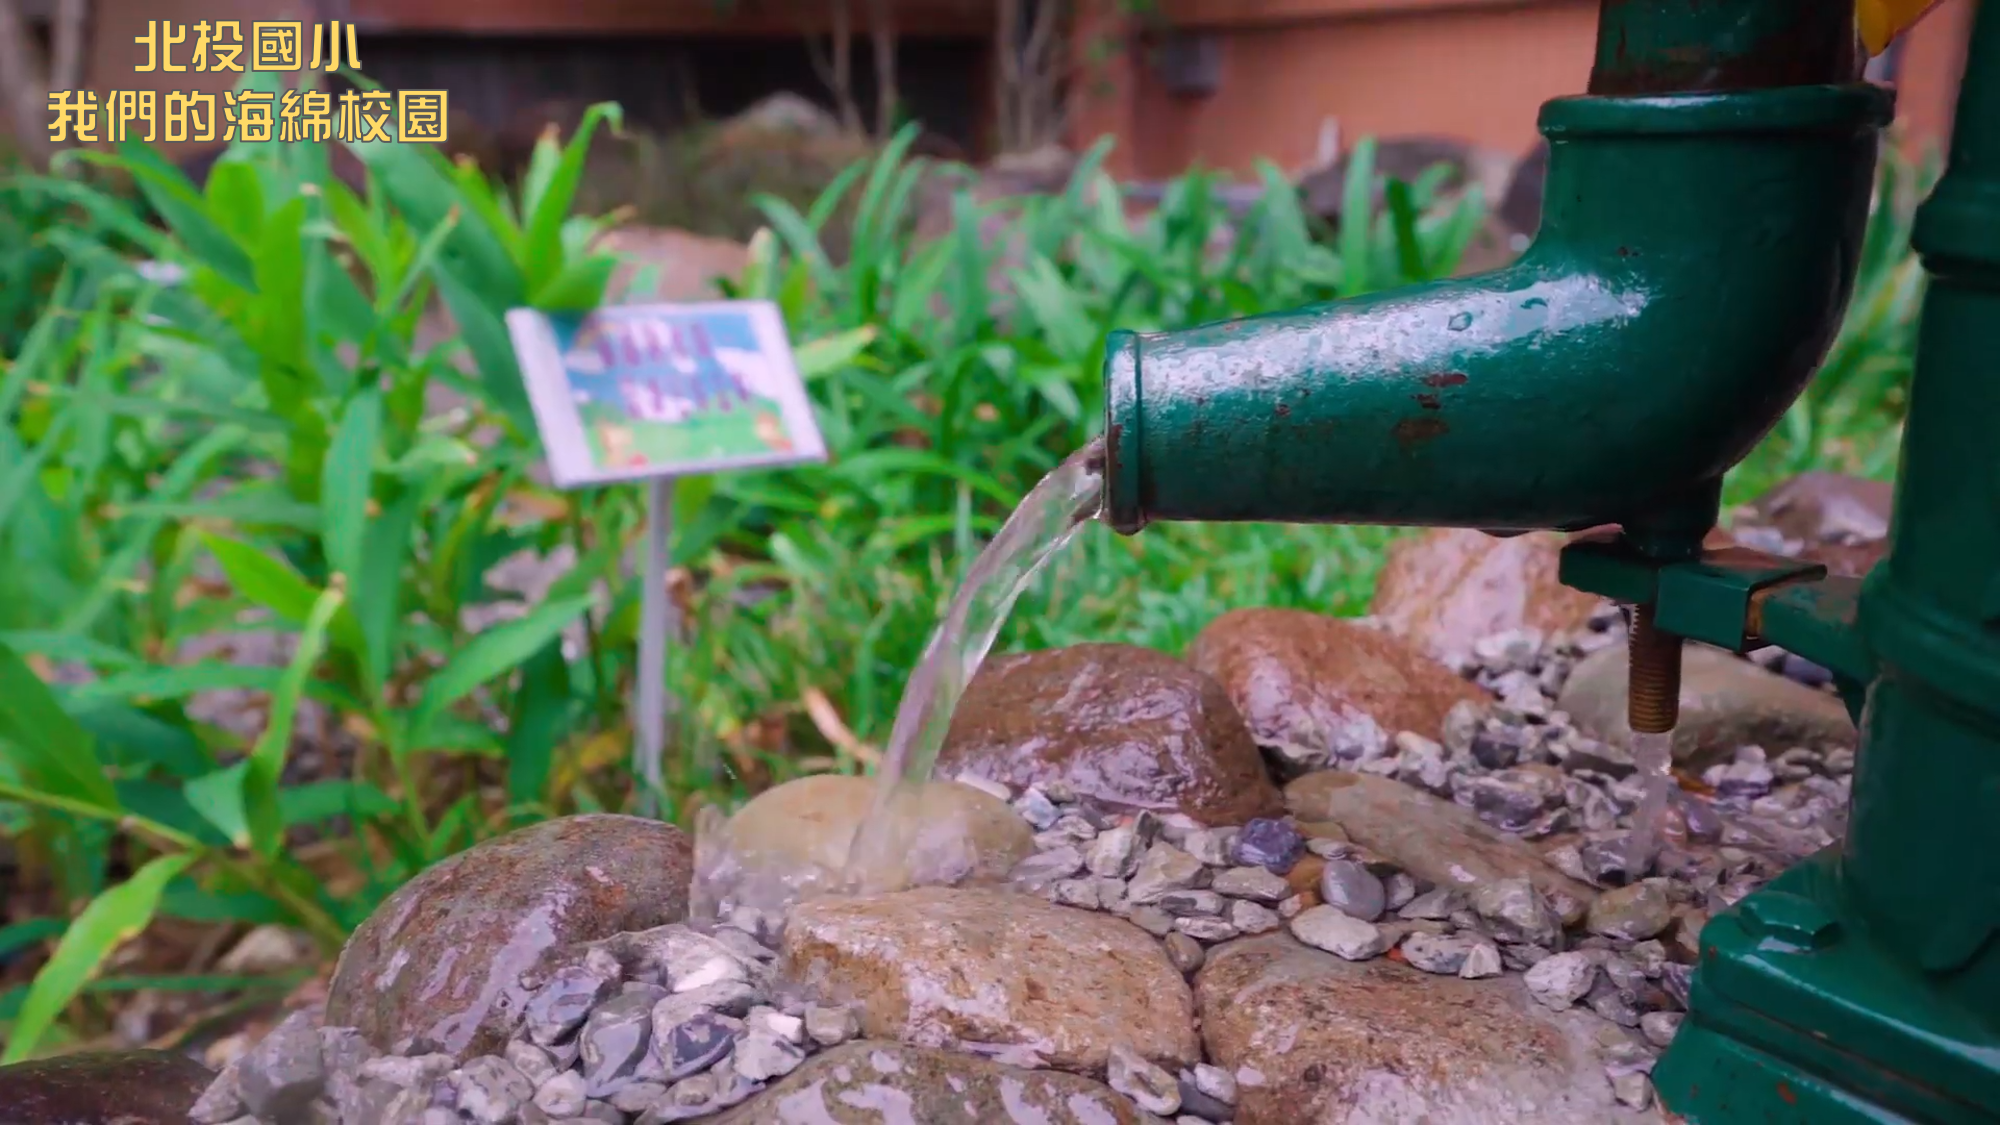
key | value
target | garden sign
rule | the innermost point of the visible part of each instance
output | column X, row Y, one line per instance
column 653, row 393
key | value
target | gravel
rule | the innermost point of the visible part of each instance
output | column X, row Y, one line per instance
column 670, row 1024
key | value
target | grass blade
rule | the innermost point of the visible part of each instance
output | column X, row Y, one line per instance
column 110, row 920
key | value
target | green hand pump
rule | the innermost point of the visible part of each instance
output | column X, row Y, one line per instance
column 1702, row 220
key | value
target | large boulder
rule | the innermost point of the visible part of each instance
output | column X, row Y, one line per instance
column 873, row 1083
column 1128, row 727
column 1447, row 588
column 1318, row 1040
column 1045, row 984
column 1314, row 688
column 1726, row 703
column 102, row 1088
column 1833, row 519
column 454, row 954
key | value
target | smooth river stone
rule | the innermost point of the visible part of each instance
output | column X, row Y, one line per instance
column 445, row 956
column 886, row 1083
column 1315, row 1040
column 1311, row 684
column 938, row 967
column 799, row 834
column 1726, row 702
column 1130, row 727
column 102, row 1088
column 1430, row 838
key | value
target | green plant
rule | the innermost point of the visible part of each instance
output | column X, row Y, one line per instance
column 1850, row 417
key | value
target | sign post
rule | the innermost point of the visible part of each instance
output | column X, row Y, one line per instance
column 654, row 393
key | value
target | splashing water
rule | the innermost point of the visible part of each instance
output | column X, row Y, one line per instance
column 1047, row 518
column 894, row 838
column 1654, row 755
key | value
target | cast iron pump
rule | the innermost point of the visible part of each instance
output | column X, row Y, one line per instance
column 1702, row 221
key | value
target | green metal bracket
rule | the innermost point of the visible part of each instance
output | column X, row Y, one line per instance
column 1712, row 599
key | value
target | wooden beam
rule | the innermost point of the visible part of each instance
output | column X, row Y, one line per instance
column 747, row 18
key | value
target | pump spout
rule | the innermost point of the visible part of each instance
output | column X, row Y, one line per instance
column 1695, row 256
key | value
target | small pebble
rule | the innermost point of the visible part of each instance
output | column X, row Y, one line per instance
column 1659, row 1028
column 1481, row 962
column 830, row 1027
column 1184, row 951
column 1255, row 883
column 1151, row 1088
column 1342, row 935
column 1205, row 929
column 1560, row 980
column 1036, row 808
column 1210, row 845
column 1350, row 888
column 1253, row 918
column 1271, row 844
column 562, row 1095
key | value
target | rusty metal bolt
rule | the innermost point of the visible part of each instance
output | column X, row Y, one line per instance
column 1653, row 701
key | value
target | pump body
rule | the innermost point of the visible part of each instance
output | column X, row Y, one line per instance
column 1703, row 213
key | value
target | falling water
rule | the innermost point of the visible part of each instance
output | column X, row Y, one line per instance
column 1654, row 755
column 1047, row 518
column 893, row 838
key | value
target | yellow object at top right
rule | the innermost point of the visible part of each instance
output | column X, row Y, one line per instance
column 1883, row 20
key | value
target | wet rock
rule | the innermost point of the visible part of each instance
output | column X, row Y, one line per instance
column 614, row 1040
column 1338, row 1041
column 798, row 835
column 1314, row 688
column 1431, row 839
column 933, row 966
column 445, row 956
column 1128, row 727
column 1726, row 703
column 103, row 1088
column 1632, row 913
column 868, row 1083
column 558, row 1008
column 1352, row 939
column 1352, row 889
column 1268, row 843
column 1448, row 589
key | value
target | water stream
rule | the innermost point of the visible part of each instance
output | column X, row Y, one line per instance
column 895, row 839
column 1047, row 518
column 1654, row 755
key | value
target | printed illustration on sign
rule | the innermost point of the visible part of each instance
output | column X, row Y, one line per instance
column 657, row 390
column 645, row 390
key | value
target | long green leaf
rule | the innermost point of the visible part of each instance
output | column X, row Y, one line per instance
column 492, row 655
column 49, row 748
column 111, row 919
column 348, row 480
column 542, row 256
column 267, row 758
column 263, row 580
